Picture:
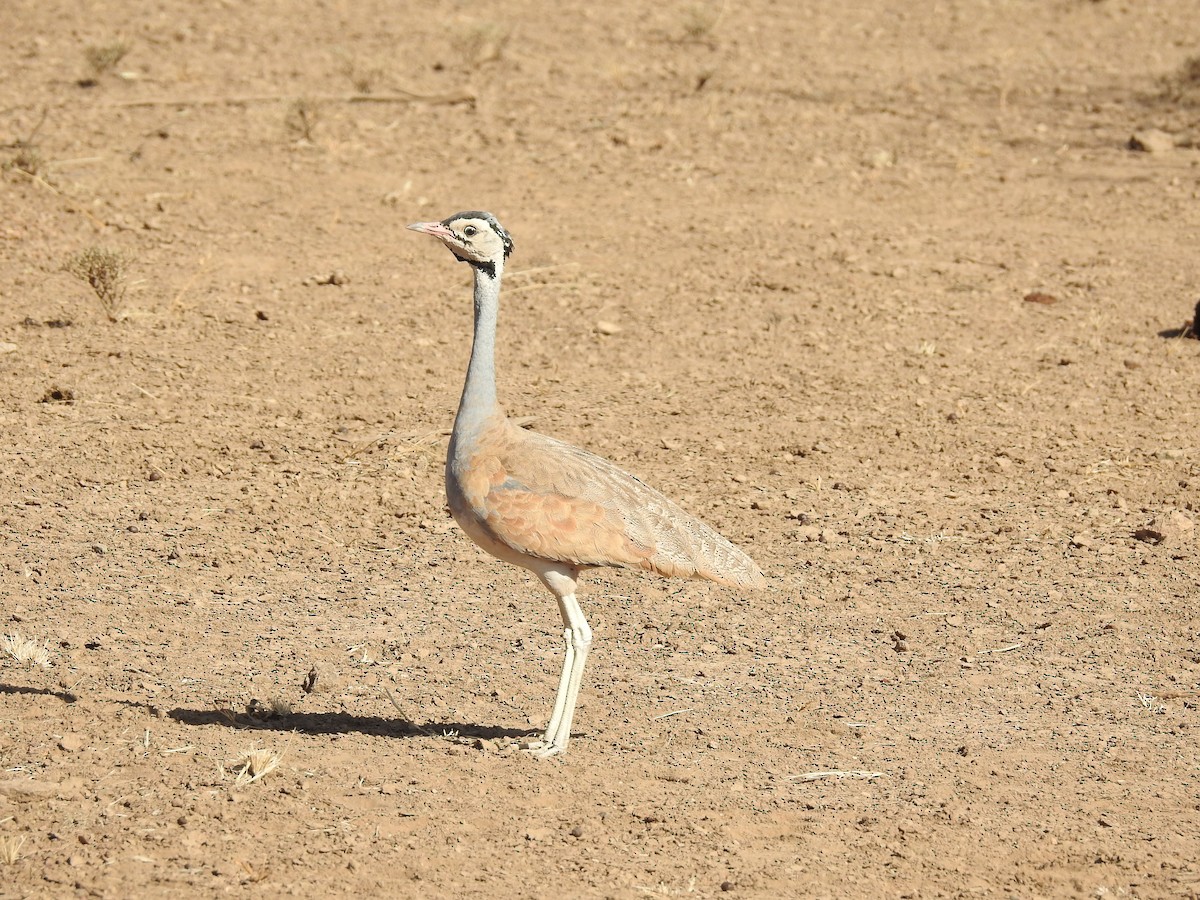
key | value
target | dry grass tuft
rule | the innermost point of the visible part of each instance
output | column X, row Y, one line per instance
column 103, row 58
column 28, row 160
column 24, row 650
column 482, row 42
column 700, row 21
column 10, row 848
column 254, row 764
column 1183, row 85
column 105, row 272
column 301, row 119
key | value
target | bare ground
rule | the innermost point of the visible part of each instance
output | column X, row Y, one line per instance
column 775, row 259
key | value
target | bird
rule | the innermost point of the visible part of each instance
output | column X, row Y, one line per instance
column 550, row 507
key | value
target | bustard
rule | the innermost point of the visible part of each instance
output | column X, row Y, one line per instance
column 555, row 509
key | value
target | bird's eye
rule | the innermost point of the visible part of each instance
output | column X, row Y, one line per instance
column 470, row 231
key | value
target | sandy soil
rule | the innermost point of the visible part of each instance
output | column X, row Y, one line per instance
column 777, row 260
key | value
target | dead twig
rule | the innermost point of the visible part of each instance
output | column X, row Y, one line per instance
column 834, row 773
column 449, row 98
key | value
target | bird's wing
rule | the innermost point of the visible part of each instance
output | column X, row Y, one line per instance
column 550, row 500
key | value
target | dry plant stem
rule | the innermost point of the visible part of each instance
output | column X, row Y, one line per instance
column 401, row 97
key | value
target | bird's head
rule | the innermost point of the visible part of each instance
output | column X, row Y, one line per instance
column 473, row 237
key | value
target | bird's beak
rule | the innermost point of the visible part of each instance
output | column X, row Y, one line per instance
column 437, row 229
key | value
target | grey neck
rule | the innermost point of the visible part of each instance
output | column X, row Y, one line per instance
column 478, row 400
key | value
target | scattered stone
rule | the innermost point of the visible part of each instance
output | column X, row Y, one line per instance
column 72, row 743
column 808, row 533
column 1151, row 140
column 1173, row 529
column 954, row 621
column 576, row 832
column 1083, row 541
column 1042, row 298
column 6, row 347
column 604, row 327
column 728, row 886
column 337, row 278
column 55, row 394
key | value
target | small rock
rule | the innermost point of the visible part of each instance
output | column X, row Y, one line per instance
column 1083, row 541
column 577, row 831
column 608, row 327
column 829, row 536
column 6, row 347
column 763, row 504
column 1180, row 521
column 56, row 394
column 538, row 834
column 954, row 621
column 71, row 743
column 728, row 886
column 1040, row 297
column 1172, row 529
column 808, row 533
column 1152, row 140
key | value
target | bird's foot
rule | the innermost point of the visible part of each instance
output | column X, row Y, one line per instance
column 543, row 749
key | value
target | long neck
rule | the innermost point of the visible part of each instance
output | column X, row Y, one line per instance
column 478, row 400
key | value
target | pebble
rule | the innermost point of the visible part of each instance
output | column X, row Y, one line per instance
column 808, row 533
column 71, row 743
column 1151, row 140
column 1171, row 529
column 608, row 327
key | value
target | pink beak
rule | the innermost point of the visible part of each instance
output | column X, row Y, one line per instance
column 437, row 229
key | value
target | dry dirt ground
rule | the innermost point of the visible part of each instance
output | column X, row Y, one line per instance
column 774, row 258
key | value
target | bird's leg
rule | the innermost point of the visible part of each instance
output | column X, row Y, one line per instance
column 564, row 680
column 578, row 638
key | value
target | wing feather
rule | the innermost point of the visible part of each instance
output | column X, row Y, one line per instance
column 551, row 500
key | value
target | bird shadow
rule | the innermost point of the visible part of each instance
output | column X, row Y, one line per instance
column 1187, row 330
column 343, row 723
column 64, row 696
